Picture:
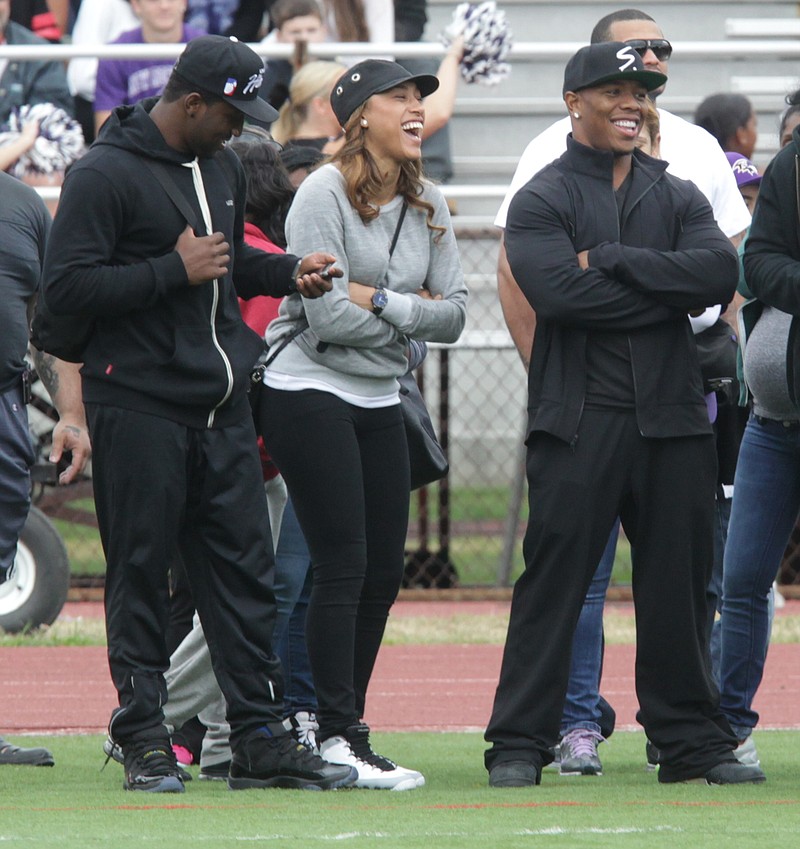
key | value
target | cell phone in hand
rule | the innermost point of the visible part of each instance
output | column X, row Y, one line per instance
column 325, row 272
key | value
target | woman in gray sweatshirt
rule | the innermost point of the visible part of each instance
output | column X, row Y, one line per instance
column 330, row 411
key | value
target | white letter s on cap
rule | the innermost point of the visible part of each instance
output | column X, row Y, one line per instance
column 627, row 56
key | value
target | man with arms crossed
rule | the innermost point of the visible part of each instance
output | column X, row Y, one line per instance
column 692, row 154
column 612, row 253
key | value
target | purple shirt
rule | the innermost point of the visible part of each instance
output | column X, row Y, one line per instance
column 127, row 81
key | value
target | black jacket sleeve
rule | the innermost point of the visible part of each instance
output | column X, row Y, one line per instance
column 702, row 269
column 545, row 265
column 772, row 251
column 81, row 276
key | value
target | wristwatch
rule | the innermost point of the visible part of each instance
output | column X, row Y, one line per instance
column 295, row 275
column 379, row 301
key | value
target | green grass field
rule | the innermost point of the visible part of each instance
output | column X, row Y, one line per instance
column 76, row 805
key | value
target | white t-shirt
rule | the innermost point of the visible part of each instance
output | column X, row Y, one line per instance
column 692, row 153
column 98, row 22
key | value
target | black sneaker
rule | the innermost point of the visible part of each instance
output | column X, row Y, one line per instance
column 264, row 761
column 515, row 774
column 11, row 755
column 150, row 765
column 727, row 772
column 215, row 772
column 734, row 772
column 113, row 751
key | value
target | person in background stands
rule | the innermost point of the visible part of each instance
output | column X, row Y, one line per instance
column 123, row 82
column 730, row 118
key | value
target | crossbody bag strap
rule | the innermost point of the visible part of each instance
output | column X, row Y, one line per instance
column 397, row 229
column 167, row 182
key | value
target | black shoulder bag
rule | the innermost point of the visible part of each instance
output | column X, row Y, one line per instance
column 427, row 458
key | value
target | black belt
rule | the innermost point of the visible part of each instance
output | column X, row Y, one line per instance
column 789, row 425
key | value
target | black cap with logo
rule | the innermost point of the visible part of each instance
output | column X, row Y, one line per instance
column 601, row 63
column 229, row 69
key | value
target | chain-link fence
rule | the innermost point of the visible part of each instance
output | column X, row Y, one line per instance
column 465, row 529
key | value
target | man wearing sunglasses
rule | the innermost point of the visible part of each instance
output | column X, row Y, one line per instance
column 692, row 154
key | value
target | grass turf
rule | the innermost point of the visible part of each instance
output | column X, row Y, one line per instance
column 77, row 805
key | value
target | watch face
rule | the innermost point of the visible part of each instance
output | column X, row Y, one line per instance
column 380, row 299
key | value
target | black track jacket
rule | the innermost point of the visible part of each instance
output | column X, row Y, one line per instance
column 666, row 257
column 159, row 346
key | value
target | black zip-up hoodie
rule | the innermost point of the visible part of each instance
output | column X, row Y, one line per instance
column 772, row 251
column 159, row 345
column 665, row 257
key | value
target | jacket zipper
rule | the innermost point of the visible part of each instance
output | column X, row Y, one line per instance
column 200, row 191
column 226, row 362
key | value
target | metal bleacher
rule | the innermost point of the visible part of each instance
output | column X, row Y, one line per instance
column 747, row 47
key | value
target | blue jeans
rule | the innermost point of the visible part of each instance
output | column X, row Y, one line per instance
column 583, row 694
column 293, row 581
column 766, row 501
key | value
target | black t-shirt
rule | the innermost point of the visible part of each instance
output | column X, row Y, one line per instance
column 609, row 376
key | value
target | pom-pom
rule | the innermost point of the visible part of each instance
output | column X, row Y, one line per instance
column 487, row 41
column 59, row 143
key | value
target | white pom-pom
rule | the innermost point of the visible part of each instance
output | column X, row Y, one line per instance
column 59, row 143
column 487, row 41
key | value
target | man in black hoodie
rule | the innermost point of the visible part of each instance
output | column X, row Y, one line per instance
column 612, row 252
column 148, row 246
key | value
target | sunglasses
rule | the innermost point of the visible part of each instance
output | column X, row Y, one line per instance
column 661, row 48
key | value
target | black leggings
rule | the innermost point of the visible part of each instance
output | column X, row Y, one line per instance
column 346, row 468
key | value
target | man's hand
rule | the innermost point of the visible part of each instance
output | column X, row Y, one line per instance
column 583, row 260
column 204, row 257
column 70, row 436
column 310, row 284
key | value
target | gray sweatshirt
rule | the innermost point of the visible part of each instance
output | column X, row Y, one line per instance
column 362, row 353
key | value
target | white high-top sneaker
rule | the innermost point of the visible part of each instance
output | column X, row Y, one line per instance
column 304, row 726
column 374, row 771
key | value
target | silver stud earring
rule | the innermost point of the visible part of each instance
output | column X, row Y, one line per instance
column 576, row 115
column 364, row 122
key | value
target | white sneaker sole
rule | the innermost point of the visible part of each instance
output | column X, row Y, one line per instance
column 409, row 782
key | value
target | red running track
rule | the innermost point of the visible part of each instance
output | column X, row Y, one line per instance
column 432, row 688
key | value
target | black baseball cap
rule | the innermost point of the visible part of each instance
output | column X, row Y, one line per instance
column 228, row 68
column 372, row 76
column 611, row 60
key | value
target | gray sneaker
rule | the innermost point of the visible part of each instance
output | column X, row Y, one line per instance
column 579, row 752
column 17, row 756
column 746, row 753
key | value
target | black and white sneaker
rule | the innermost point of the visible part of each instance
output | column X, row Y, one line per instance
column 303, row 726
column 374, row 771
column 150, row 766
column 269, row 761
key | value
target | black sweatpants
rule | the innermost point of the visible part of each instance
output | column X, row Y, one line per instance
column 346, row 469
column 663, row 489
column 163, row 490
